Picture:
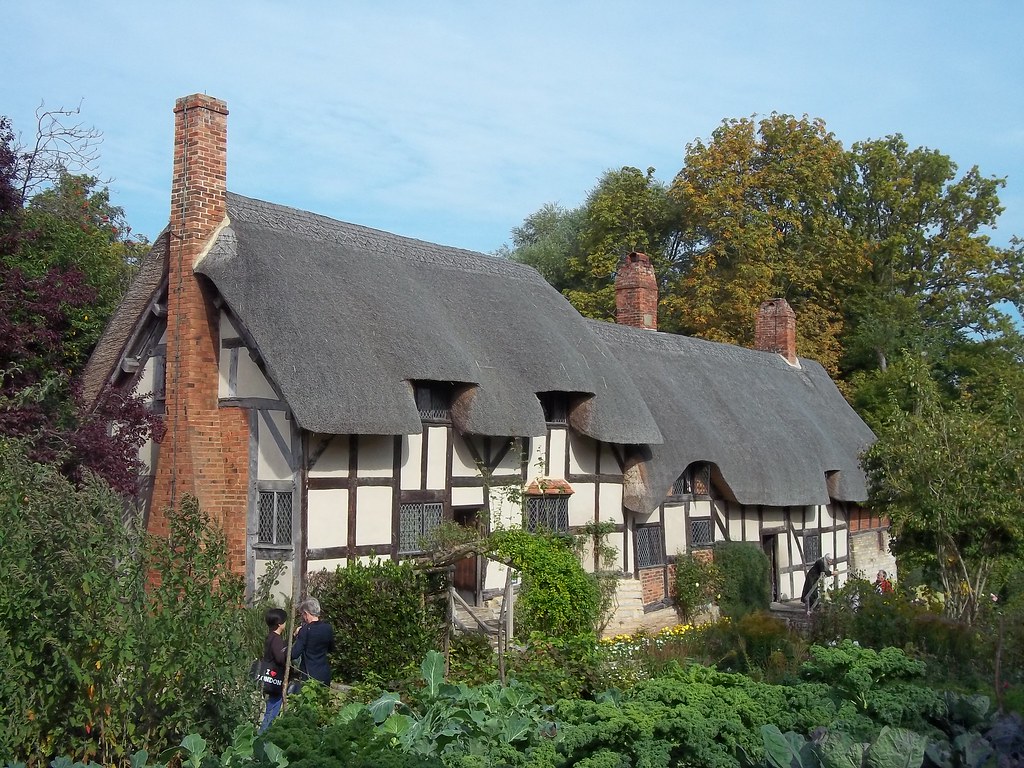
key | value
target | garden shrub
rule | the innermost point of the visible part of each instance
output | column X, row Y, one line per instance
column 556, row 597
column 382, row 619
column 95, row 664
column 746, row 584
column 697, row 584
column 557, row 667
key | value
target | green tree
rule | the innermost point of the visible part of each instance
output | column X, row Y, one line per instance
column 579, row 250
column 96, row 664
column 949, row 479
column 934, row 278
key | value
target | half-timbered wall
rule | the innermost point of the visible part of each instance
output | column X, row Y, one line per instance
column 792, row 537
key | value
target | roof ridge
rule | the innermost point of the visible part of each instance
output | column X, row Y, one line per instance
column 285, row 219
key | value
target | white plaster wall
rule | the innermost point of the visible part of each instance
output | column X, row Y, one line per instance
column 535, row 464
column 437, row 458
column 376, row 455
column 144, row 386
column 412, row 453
column 333, row 462
column 250, row 381
column 751, row 527
column 675, row 529
column 329, row 565
column 467, row 497
column 773, row 517
column 735, row 525
column 504, row 513
column 510, row 462
column 609, row 464
column 283, row 590
column 373, row 517
column 611, row 503
column 327, row 518
column 581, row 504
column 273, row 464
column 556, row 460
column 825, row 515
column 582, row 454
column 463, row 463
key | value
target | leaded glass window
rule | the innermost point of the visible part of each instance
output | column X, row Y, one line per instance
column 275, row 518
column 649, row 548
column 417, row 521
column 549, row 513
column 702, row 532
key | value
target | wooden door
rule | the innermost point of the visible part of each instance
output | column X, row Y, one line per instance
column 466, row 578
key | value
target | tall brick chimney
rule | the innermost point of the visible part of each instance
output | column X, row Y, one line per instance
column 775, row 330
column 204, row 451
column 636, row 293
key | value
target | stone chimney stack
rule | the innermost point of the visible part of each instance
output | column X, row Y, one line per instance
column 775, row 330
column 636, row 293
column 204, row 451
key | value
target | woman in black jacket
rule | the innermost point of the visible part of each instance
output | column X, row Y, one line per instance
column 274, row 652
column 313, row 641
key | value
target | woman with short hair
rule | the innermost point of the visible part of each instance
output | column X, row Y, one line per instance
column 313, row 641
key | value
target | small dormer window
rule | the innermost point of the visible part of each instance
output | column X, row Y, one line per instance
column 555, row 405
column 434, row 400
column 695, row 481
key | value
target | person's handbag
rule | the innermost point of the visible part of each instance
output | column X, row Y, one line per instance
column 271, row 676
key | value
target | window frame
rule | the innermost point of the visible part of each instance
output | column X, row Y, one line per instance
column 809, row 536
column 560, row 511
column 276, row 494
column 433, row 401
column 423, row 529
column 703, row 544
column 687, row 485
column 660, row 555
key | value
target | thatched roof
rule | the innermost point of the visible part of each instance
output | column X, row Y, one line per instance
column 346, row 316
column 779, row 435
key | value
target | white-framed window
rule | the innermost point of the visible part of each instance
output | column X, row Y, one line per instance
column 549, row 513
column 694, row 481
column 417, row 520
column 274, row 516
column 702, row 532
column 650, row 548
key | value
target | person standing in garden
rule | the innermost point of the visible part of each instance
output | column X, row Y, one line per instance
column 313, row 641
column 275, row 654
column 810, row 595
column 882, row 584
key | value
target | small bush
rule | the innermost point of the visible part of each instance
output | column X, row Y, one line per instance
column 557, row 597
column 382, row 621
column 697, row 584
column 746, row 585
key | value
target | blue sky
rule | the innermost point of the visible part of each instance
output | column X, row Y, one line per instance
column 452, row 121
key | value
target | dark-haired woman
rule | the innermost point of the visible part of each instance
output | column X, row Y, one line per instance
column 274, row 652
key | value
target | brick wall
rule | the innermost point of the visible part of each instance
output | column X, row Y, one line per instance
column 775, row 329
column 636, row 293
column 205, row 451
column 869, row 553
column 652, row 581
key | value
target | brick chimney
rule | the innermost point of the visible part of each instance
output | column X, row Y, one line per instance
column 636, row 293
column 775, row 330
column 204, row 451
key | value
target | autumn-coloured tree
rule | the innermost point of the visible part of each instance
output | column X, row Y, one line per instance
column 759, row 219
column 63, row 266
